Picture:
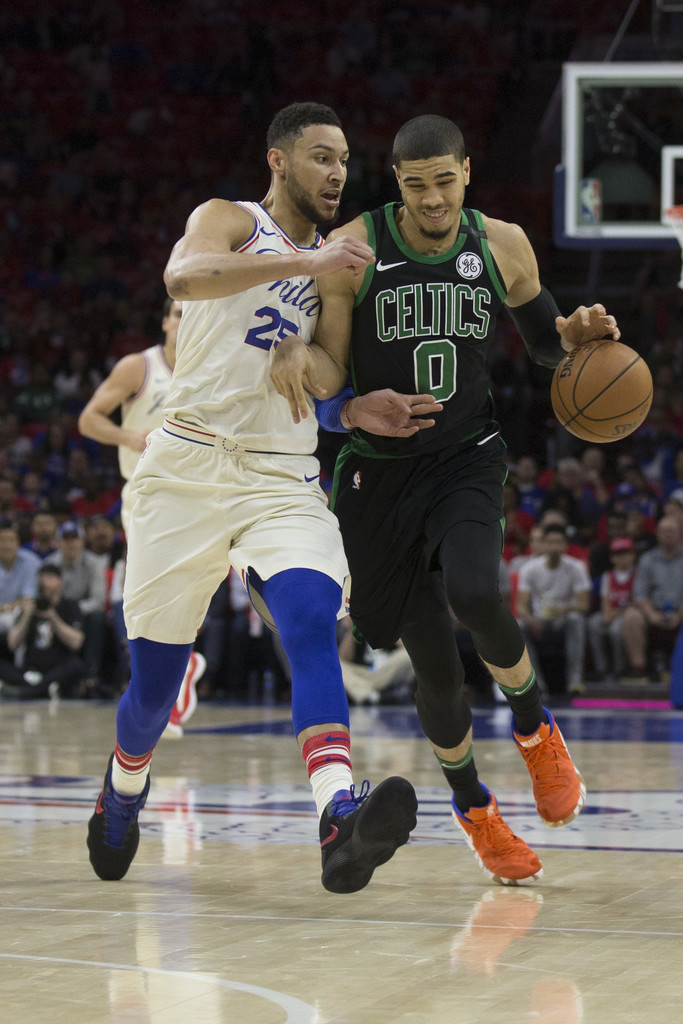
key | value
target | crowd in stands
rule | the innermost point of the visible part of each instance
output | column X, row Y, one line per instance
column 119, row 118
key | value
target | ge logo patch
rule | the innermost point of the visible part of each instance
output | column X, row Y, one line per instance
column 469, row 265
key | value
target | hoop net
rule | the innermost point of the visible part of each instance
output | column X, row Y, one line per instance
column 673, row 217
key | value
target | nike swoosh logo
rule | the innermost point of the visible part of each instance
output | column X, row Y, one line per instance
column 332, row 836
column 388, row 266
column 310, row 479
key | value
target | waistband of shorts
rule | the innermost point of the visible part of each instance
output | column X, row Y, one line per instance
column 207, row 439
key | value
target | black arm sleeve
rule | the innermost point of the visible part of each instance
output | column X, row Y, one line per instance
column 535, row 321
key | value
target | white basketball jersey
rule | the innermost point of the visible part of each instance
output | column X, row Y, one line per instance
column 144, row 410
column 221, row 379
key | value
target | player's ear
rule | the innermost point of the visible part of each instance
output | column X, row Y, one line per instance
column 277, row 161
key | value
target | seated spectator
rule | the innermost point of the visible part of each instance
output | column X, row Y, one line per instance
column 652, row 622
column 639, row 530
column 103, row 540
column 552, row 601
column 45, row 641
column 32, row 495
column 95, row 501
column 674, row 481
column 575, row 547
column 593, row 467
column 571, row 495
column 606, row 624
column 43, row 540
column 53, row 446
column 612, row 525
column 536, row 546
column 8, row 498
column 18, row 580
column 83, row 581
column 518, row 522
column 18, row 446
column 531, row 494
column 39, row 401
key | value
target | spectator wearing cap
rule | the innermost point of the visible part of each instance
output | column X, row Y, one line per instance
column 652, row 622
column 84, row 581
column 45, row 643
column 615, row 595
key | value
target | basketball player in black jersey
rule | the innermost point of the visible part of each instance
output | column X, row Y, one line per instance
column 421, row 516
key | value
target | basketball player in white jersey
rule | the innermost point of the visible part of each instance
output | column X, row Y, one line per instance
column 230, row 480
column 138, row 384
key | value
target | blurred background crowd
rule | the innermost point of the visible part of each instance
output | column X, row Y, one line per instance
column 118, row 118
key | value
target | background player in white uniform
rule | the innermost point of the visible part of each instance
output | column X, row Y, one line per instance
column 230, row 479
column 138, row 384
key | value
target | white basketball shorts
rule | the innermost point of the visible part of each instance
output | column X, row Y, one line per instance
column 198, row 507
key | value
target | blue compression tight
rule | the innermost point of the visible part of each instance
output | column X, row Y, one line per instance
column 156, row 672
column 304, row 605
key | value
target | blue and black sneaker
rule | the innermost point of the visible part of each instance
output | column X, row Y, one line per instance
column 113, row 830
column 360, row 832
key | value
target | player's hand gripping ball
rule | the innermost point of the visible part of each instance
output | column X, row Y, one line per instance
column 601, row 391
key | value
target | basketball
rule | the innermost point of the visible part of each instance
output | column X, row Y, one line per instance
column 602, row 391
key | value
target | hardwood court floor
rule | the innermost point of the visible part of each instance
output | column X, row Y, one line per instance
column 222, row 917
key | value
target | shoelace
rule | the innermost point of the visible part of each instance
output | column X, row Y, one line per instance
column 353, row 802
column 119, row 816
column 545, row 768
column 499, row 836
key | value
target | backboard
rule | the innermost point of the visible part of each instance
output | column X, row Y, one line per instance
column 622, row 155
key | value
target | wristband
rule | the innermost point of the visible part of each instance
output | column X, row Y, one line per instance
column 328, row 410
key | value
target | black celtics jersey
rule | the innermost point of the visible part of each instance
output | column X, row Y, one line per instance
column 423, row 324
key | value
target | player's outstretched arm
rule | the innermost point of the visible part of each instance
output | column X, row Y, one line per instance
column 204, row 263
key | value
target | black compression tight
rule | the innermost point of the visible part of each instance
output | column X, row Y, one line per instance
column 442, row 707
column 470, row 557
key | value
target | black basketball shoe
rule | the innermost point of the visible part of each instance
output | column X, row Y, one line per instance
column 113, row 830
column 360, row 832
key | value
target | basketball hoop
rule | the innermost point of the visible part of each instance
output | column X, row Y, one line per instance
column 674, row 218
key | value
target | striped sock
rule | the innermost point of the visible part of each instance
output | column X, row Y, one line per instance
column 328, row 763
column 128, row 773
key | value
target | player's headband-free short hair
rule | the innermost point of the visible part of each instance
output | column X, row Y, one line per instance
column 289, row 123
column 426, row 136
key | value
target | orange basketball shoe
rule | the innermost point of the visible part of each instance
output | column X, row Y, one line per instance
column 504, row 856
column 559, row 789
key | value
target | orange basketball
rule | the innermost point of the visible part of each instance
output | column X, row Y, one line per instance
column 601, row 391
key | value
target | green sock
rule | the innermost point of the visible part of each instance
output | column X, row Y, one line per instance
column 526, row 704
column 463, row 779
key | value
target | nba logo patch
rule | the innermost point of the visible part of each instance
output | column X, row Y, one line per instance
column 356, row 480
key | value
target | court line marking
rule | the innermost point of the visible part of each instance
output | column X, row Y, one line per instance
column 331, row 920
column 297, row 1011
